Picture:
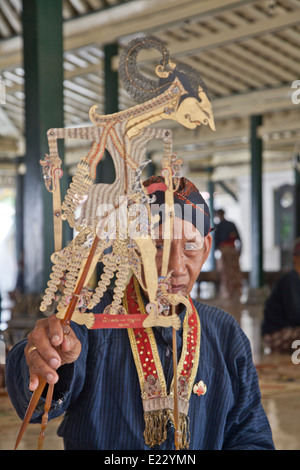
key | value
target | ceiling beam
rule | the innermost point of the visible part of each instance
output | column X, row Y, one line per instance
column 136, row 16
column 11, row 52
column 9, row 145
column 230, row 173
column 109, row 25
column 254, row 102
column 236, row 35
column 282, row 126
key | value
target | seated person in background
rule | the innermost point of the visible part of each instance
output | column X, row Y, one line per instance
column 281, row 324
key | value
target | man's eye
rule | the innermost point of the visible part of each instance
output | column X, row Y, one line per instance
column 191, row 246
column 159, row 246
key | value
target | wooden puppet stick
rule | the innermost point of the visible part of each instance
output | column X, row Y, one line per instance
column 45, row 416
column 66, row 321
column 176, row 411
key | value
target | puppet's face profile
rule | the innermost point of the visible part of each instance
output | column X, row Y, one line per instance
column 192, row 112
column 194, row 107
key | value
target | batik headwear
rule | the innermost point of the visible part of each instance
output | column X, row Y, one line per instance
column 188, row 202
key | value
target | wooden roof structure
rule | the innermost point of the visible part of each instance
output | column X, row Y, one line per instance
column 247, row 52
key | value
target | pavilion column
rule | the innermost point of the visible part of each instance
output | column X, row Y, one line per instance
column 251, row 313
column 297, row 195
column 211, row 188
column 106, row 170
column 43, row 65
column 256, row 274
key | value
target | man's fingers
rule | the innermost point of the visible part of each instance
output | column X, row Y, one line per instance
column 33, row 382
column 70, row 347
column 45, row 350
column 50, row 345
column 41, row 351
column 38, row 367
column 56, row 333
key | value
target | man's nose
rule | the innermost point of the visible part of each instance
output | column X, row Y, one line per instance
column 176, row 261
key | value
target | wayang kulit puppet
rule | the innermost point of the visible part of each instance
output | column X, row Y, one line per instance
column 114, row 225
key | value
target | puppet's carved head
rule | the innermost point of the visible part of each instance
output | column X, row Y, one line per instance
column 192, row 109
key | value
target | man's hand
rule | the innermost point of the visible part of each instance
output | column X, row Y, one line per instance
column 49, row 346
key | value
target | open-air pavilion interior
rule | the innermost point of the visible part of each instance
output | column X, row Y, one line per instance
column 59, row 58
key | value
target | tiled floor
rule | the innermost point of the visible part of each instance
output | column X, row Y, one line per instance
column 284, row 417
column 10, row 426
column 280, row 389
column 279, row 377
column 279, row 382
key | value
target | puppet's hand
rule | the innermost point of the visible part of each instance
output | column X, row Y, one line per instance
column 49, row 346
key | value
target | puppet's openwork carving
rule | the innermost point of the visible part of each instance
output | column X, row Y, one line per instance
column 104, row 216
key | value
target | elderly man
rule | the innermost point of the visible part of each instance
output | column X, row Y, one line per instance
column 98, row 373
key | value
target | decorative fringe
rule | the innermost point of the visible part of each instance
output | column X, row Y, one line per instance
column 156, row 428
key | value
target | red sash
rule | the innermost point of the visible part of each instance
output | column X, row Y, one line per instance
column 157, row 403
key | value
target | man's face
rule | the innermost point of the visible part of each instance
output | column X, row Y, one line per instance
column 189, row 251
